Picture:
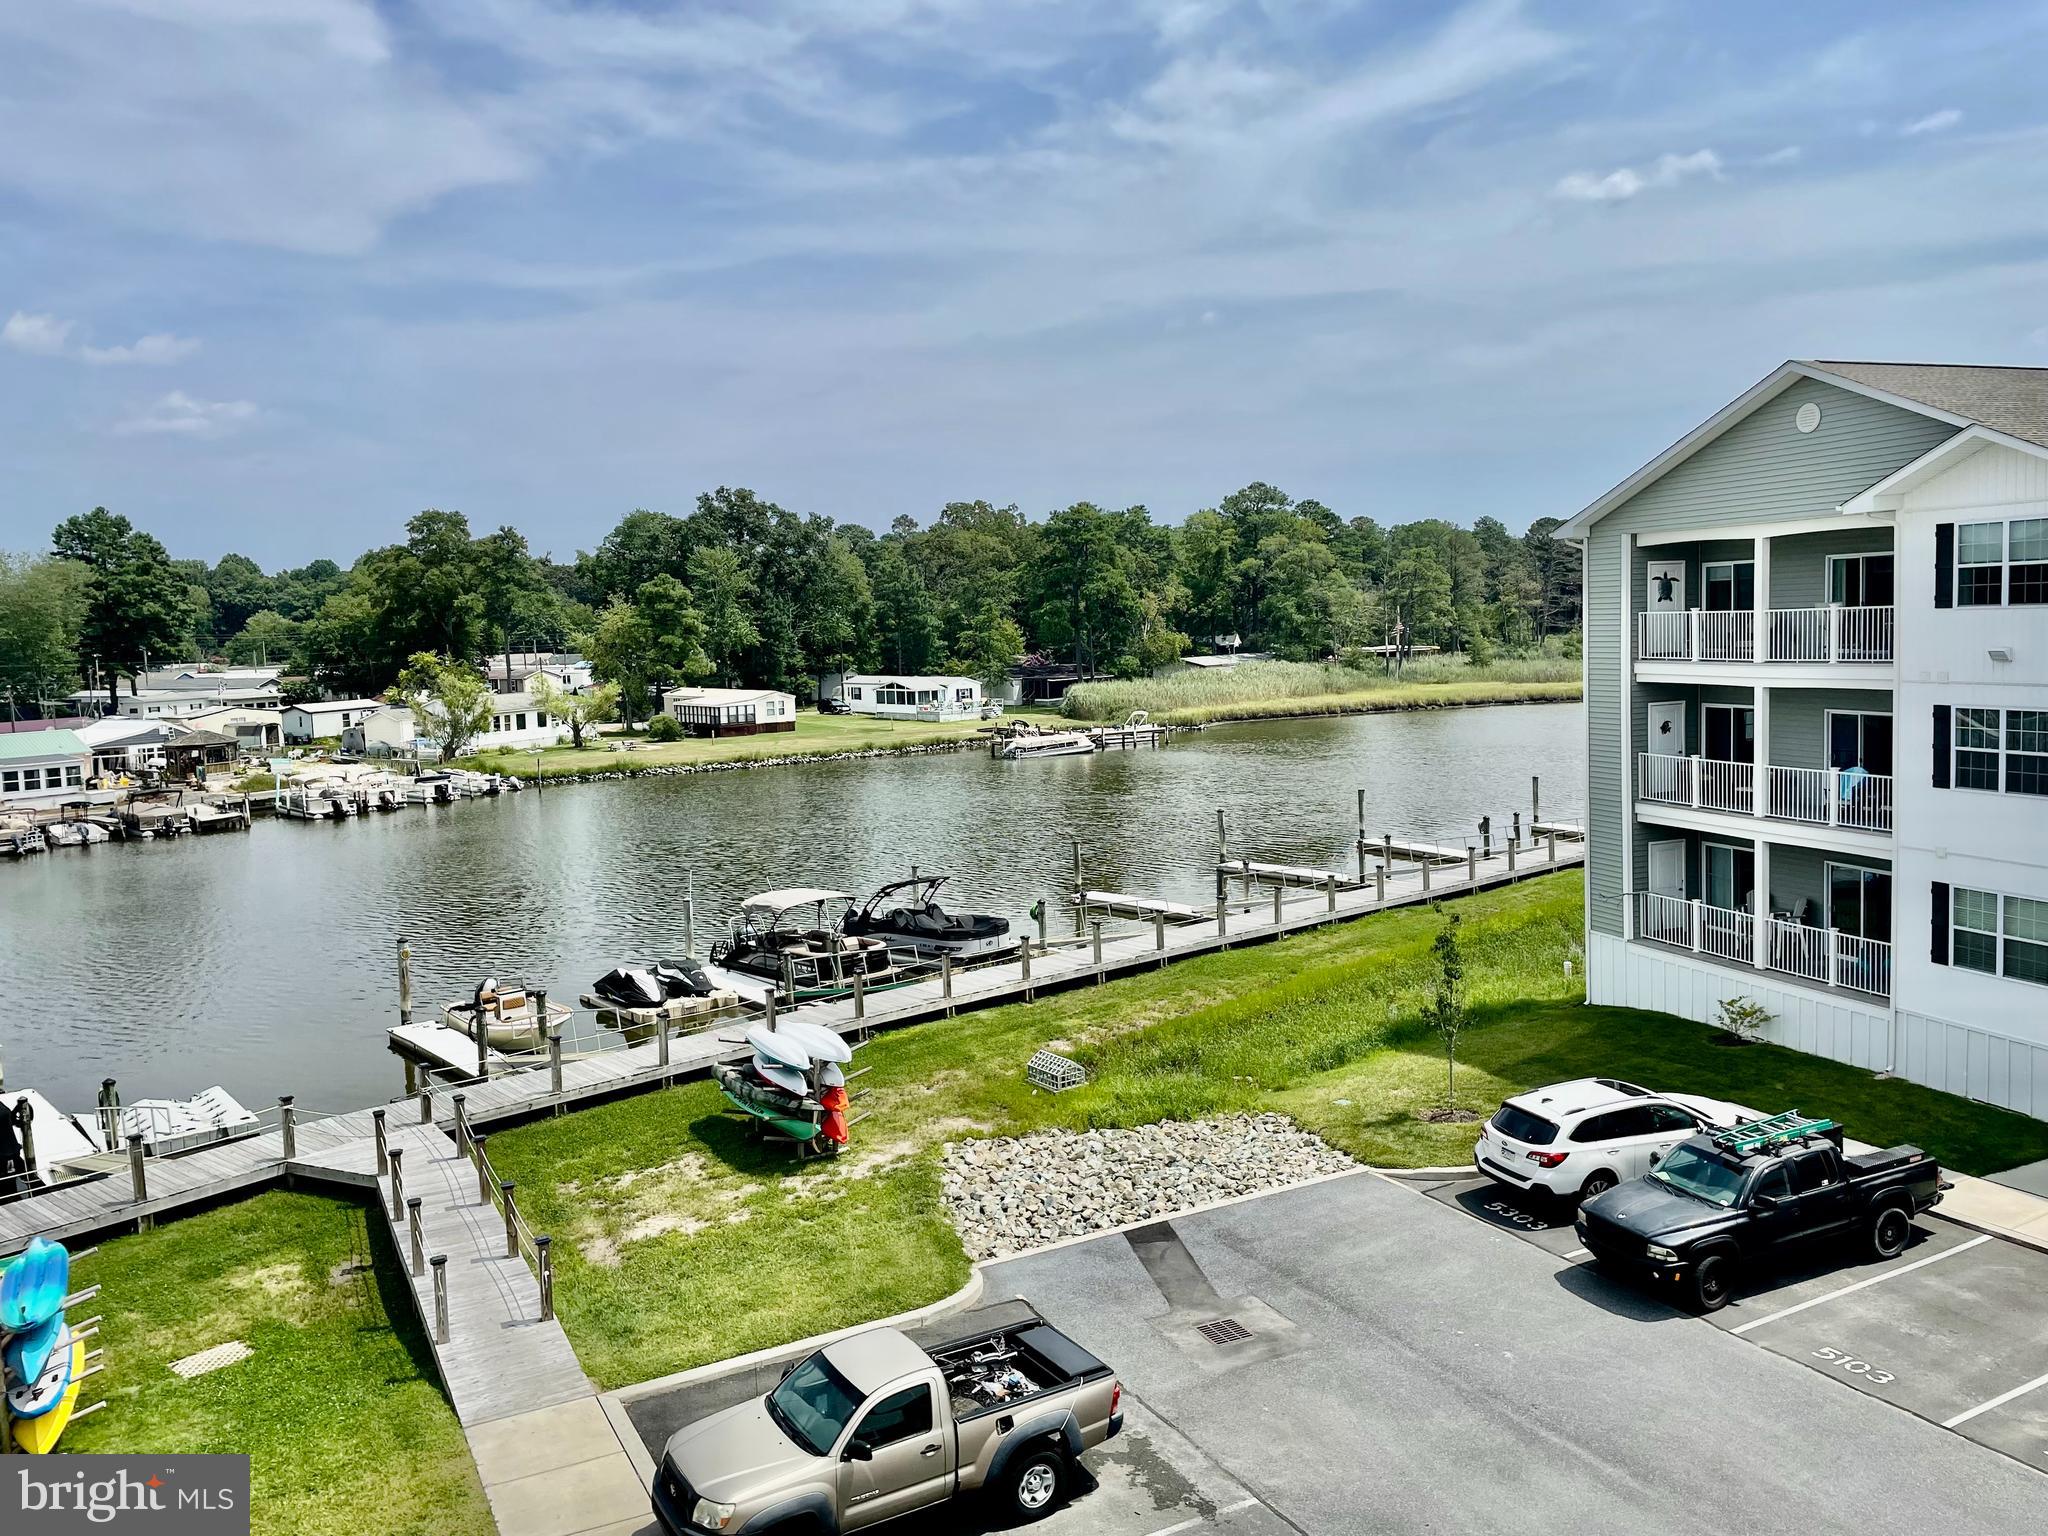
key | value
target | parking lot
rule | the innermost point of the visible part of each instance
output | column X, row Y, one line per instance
column 1404, row 1366
column 1955, row 1330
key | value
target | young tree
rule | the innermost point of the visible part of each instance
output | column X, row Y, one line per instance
column 620, row 647
column 42, row 607
column 906, row 618
column 135, row 600
column 1446, row 1009
column 722, row 588
column 988, row 647
column 675, row 632
column 448, row 699
column 268, row 639
column 596, row 705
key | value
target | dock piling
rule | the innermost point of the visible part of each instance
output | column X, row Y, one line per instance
column 138, row 1179
column 1361, row 837
column 546, row 1263
column 1278, row 891
column 1330, row 895
column 418, row 1237
column 383, row 1150
column 1425, row 874
column 1024, row 973
column 661, row 1044
column 404, row 981
column 555, row 1061
column 412, row 1076
column 397, row 1183
column 768, row 1010
column 860, row 998
column 1535, row 798
column 288, row 1126
column 1159, row 932
column 483, row 1045
column 426, row 1105
column 483, row 1168
column 946, row 976
column 110, row 1111
column 461, row 1123
column 440, row 1263
column 1550, row 846
column 1511, row 857
column 689, row 926
column 1095, row 947
column 1471, row 865
column 1515, row 835
column 1379, row 885
column 511, row 1219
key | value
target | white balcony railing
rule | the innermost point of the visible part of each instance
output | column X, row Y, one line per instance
column 1815, row 797
column 1824, row 956
column 1826, row 635
column 1831, row 797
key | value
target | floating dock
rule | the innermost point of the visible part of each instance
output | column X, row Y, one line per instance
column 1299, row 876
column 1123, row 904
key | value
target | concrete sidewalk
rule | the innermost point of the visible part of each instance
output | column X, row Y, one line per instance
column 560, row 1471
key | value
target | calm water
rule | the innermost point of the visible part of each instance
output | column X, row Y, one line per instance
column 265, row 961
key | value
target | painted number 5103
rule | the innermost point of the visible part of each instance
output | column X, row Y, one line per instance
column 1854, row 1366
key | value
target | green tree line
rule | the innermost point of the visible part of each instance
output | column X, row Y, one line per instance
column 740, row 591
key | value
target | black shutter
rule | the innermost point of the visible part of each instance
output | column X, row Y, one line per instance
column 1944, row 565
column 1938, row 953
column 1941, row 744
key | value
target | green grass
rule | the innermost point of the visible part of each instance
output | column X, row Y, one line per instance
column 815, row 734
column 681, row 1242
column 1277, row 689
column 338, row 1409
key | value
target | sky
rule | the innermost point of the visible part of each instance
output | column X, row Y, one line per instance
column 277, row 274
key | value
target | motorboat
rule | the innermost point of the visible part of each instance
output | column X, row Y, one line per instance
column 316, row 799
column 20, row 842
column 510, row 1013
column 793, row 940
column 907, row 913
column 1026, row 739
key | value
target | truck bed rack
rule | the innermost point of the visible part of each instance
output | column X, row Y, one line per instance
column 1757, row 1135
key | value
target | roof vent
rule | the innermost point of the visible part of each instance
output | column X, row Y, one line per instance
column 1807, row 417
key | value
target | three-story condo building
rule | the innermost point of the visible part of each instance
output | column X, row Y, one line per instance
column 1816, row 678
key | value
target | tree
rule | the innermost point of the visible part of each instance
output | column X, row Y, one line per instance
column 675, row 632
column 239, row 590
column 267, row 639
column 620, row 648
column 643, row 546
column 43, row 605
column 448, row 699
column 1082, row 596
column 595, row 705
column 906, row 619
column 722, row 587
column 988, row 647
column 135, row 601
column 840, row 608
column 1208, row 572
column 1418, row 596
column 1446, row 1011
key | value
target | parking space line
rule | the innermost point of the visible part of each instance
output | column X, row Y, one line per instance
column 1194, row 1520
column 1863, row 1285
column 1580, row 1253
column 1997, row 1402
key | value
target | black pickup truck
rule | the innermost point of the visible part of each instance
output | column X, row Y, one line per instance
column 1727, row 1199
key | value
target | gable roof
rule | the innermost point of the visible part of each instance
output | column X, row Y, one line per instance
column 2010, row 401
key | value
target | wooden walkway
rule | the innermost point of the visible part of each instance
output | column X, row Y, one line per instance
column 500, row 1360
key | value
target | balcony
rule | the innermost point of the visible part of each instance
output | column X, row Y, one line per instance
column 1825, row 956
column 1811, row 635
column 1814, row 797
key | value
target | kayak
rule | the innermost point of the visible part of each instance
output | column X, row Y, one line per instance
column 823, row 1044
column 32, row 1287
column 38, row 1436
column 779, row 1046
column 788, row 1079
column 39, row 1394
column 25, row 1354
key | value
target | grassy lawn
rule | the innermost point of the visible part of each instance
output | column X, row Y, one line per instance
column 680, row 1242
column 1272, row 690
column 824, row 735
column 338, row 1408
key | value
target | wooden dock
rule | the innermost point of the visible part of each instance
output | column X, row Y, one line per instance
column 500, row 1359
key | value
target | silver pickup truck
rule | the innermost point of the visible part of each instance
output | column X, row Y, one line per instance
column 874, row 1427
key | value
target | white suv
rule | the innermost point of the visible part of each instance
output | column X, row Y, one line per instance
column 1578, row 1138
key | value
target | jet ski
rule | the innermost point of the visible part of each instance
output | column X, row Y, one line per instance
column 653, row 984
column 907, row 915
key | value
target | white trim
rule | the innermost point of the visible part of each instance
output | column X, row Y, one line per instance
column 1850, row 841
column 1628, row 752
column 1890, row 492
column 1875, row 675
column 1777, row 528
column 1766, row 389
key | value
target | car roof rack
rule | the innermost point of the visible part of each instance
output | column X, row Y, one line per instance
column 1756, row 1135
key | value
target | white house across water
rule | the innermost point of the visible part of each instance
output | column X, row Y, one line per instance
column 903, row 697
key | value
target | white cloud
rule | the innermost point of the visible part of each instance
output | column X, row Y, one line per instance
column 179, row 414
column 1785, row 156
column 39, row 335
column 152, row 351
column 1933, row 122
column 1619, row 185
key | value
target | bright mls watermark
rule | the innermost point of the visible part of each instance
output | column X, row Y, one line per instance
column 160, row 1495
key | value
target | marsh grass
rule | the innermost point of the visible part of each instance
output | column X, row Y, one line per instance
column 1277, row 689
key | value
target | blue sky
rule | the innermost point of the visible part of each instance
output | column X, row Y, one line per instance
column 278, row 273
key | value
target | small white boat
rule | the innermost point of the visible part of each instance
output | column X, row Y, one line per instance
column 779, row 1046
column 512, row 1021
column 1027, row 740
column 821, row 1043
column 20, row 842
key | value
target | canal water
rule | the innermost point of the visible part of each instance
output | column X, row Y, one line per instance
column 266, row 961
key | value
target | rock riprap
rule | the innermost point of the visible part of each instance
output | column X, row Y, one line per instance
column 1013, row 1194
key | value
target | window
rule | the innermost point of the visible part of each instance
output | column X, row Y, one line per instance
column 1809, row 1173
column 1730, row 586
column 898, row 1417
column 1860, row 741
column 1860, row 901
column 1980, row 565
column 853, row 693
column 74, row 778
column 522, row 720
column 1669, row 1117
column 31, row 778
column 2026, row 751
column 1730, row 733
column 2014, row 759
column 1860, row 581
column 1597, row 1128
column 1976, row 749
column 1774, row 1183
column 10, row 781
column 2000, row 936
column 2029, row 552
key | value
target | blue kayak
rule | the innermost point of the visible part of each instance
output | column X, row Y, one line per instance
column 43, row 1392
column 32, row 1288
column 25, row 1354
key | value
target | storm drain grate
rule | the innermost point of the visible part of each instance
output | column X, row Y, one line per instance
column 1225, row 1330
